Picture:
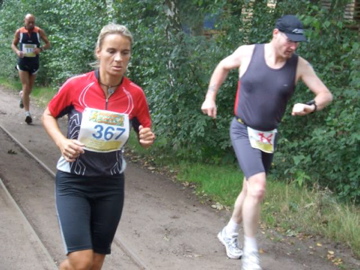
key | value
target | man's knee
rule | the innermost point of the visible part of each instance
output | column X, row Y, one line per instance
column 257, row 186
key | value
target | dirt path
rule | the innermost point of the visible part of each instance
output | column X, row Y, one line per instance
column 162, row 222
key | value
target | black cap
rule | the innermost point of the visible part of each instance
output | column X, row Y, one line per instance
column 291, row 26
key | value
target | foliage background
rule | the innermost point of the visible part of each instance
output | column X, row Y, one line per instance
column 174, row 55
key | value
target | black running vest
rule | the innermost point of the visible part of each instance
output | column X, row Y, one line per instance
column 263, row 92
column 29, row 38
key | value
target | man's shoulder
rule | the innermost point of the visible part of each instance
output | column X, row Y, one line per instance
column 250, row 46
column 245, row 50
column 303, row 64
column 21, row 30
column 24, row 30
column 302, row 60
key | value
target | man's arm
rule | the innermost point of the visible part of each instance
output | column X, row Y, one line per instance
column 45, row 39
column 14, row 44
column 323, row 96
column 218, row 77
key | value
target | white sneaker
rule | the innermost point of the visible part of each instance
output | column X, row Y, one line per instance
column 231, row 244
column 250, row 261
column 28, row 118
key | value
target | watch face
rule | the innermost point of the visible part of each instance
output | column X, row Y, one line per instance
column 311, row 102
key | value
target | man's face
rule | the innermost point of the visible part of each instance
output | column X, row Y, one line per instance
column 286, row 46
column 29, row 22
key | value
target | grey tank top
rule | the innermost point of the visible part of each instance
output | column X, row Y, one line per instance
column 263, row 92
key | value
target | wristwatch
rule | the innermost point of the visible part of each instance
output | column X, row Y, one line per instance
column 312, row 102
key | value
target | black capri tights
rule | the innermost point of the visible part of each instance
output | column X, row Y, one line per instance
column 89, row 210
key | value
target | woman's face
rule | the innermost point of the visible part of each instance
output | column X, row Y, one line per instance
column 114, row 55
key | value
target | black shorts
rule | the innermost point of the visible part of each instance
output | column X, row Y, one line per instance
column 251, row 160
column 30, row 67
column 89, row 210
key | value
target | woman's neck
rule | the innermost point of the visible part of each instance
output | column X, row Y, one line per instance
column 109, row 84
column 109, row 81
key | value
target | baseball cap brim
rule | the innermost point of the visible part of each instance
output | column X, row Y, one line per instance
column 295, row 37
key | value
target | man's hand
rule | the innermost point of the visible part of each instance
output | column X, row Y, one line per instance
column 301, row 109
column 209, row 107
column 20, row 54
column 37, row 51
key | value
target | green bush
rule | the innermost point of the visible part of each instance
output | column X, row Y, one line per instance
column 324, row 147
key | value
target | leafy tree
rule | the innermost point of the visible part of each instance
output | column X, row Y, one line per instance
column 72, row 28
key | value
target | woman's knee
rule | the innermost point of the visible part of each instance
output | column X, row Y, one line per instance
column 81, row 260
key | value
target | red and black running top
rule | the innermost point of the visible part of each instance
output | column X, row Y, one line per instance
column 84, row 91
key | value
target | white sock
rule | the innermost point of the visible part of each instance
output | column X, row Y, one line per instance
column 232, row 227
column 27, row 113
column 250, row 244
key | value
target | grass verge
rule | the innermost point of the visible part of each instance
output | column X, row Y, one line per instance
column 40, row 93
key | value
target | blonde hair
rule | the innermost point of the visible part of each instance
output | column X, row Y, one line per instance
column 113, row 28
column 110, row 29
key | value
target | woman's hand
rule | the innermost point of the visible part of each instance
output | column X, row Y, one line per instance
column 146, row 137
column 71, row 149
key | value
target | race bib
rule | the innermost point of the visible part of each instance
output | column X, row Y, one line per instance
column 28, row 50
column 103, row 131
column 262, row 140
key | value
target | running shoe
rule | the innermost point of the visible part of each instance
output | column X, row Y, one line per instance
column 28, row 118
column 250, row 261
column 230, row 242
column 21, row 104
